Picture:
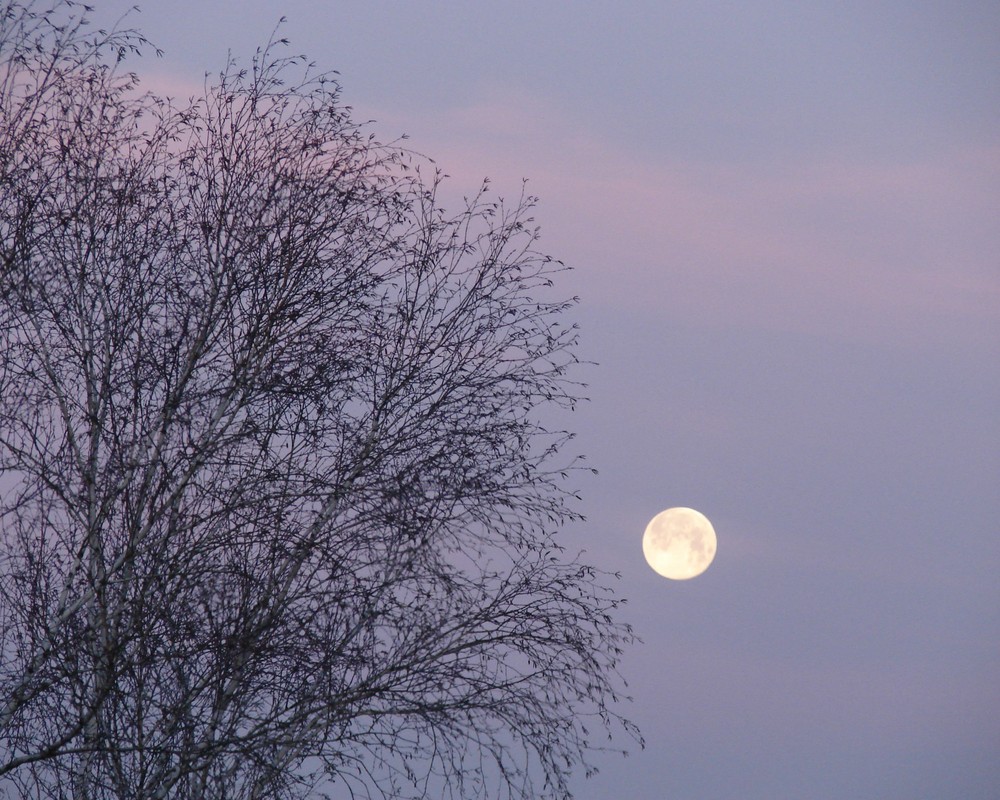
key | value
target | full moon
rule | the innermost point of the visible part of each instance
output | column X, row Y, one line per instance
column 679, row 543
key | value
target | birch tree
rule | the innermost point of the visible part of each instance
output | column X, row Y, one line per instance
column 280, row 516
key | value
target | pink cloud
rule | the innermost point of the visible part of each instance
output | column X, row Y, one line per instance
column 849, row 248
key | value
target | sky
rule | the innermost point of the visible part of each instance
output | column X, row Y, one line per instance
column 782, row 219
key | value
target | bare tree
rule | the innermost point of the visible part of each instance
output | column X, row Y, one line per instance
column 279, row 515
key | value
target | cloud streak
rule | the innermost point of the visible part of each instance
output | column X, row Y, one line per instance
column 837, row 246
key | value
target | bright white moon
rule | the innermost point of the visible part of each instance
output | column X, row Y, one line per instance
column 679, row 543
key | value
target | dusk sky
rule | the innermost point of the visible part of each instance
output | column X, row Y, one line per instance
column 783, row 220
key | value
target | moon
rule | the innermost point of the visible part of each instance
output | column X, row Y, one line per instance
column 679, row 543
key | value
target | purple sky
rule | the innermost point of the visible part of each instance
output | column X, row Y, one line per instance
column 784, row 219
